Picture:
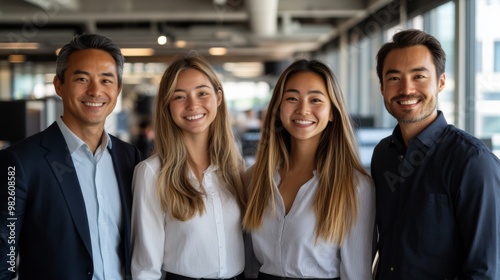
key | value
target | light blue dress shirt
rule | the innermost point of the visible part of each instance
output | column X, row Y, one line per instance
column 102, row 201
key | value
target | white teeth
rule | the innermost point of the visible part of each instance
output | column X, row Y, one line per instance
column 191, row 118
column 303, row 122
column 408, row 102
column 93, row 104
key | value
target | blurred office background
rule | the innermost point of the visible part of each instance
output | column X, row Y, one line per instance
column 249, row 42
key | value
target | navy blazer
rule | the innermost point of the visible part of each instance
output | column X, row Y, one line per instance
column 42, row 211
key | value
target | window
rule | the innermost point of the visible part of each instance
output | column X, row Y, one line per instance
column 496, row 64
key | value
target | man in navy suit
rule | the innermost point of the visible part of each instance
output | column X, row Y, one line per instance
column 65, row 192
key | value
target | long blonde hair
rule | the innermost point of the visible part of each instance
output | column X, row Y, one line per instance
column 337, row 162
column 177, row 194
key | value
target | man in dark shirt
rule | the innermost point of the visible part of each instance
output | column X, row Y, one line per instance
column 437, row 187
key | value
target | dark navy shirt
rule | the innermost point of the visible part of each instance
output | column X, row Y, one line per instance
column 438, row 205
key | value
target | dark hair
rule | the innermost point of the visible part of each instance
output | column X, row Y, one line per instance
column 409, row 38
column 89, row 41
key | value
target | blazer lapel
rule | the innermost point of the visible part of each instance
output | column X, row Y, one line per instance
column 59, row 160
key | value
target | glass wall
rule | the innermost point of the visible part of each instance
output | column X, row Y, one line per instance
column 487, row 77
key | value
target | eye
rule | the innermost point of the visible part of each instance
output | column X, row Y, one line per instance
column 177, row 97
column 290, row 97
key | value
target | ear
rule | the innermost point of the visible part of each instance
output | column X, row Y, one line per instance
column 57, row 86
column 219, row 97
column 330, row 118
column 441, row 82
column 120, row 89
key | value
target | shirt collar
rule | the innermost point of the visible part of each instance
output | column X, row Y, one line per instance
column 431, row 133
column 428, row 136
column 74, row 142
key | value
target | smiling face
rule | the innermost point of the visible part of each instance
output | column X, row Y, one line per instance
column 305, row 108
column 193, row 105
column 90, row 89
column 410, row 86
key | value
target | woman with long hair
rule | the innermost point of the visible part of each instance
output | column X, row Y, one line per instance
column 311, row 205
column 188, row 196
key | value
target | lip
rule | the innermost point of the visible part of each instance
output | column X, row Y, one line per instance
column 194, row 117
column 93, row 104
column 408, row 102
column 303, row 123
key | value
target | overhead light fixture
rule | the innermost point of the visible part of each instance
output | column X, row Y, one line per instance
column 137, row 51
column 217, row 51
column 162, row 40
column 17, row 58
column 180, row 44
column 19, row 46
column 244, row 69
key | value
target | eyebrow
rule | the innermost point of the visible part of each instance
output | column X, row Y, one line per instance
column 417, row 69
column 198, row 87
column 81, row 72
column 314, row 91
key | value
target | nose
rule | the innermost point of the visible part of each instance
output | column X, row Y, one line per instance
column 191, row 103
column 406, row 86
column 94, row 89
column 302, row 108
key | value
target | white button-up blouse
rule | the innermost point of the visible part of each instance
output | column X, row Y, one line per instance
column 286, row 245
column 206, row 246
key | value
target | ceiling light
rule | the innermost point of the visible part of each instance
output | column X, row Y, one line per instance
column 217, row 51
column 137, row 51
column 162, row 40
column 244, row 69
column 180, row 43
column 17, row 58
column 19, row 46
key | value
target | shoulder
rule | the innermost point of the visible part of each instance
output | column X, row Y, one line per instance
column 461, row 145
column 120, row 144
column 121, row 148
column 151, row 164
column 364, row 183
column 33, row 144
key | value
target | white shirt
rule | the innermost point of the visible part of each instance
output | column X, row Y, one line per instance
column 99, row 187
column 206, row 246
column 286, row 245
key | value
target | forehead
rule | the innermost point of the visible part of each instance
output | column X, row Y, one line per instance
column 409, row 58
column 191, row 76
column 91, row 60
column 306, row 79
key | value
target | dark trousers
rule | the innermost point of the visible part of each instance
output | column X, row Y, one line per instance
column 264, row 276
column 173, row 276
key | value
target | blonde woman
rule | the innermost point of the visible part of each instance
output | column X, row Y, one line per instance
column 188, row 196
column 311, row 207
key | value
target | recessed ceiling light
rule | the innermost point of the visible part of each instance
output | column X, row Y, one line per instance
column 137, row 51
column 19, row 46
column 217, row 51
column 162, row 40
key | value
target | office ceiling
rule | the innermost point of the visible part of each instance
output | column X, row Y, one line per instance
column 250, row 30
